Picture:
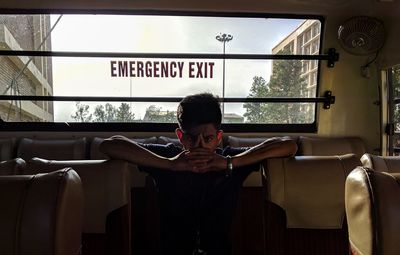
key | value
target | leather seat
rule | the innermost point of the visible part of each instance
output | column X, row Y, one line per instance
column 107, row 210
column 58, row 149
column 390, row 164
column 372, row 206
column 304, row 207
column 12, row 166
column 41, row 214
column 327, row 146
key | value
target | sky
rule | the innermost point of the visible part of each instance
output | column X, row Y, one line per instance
column 160, row 34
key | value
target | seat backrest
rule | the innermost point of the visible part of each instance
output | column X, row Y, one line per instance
column 106, row 190
column 52, row 149
column 390, row 164
column 372, row 207
column 330, row 146
column 7, row 148
column 138, row 178
column 12, row 166
column 41, row 214
column 310, row 189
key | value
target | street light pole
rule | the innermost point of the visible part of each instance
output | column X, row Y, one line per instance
column 224, row 38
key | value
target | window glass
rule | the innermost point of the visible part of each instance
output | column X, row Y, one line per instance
column 145, row 76
column 394, row 110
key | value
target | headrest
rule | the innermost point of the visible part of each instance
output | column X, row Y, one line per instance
column 52, row 149
column 95, row 153
column 372, row 207
column 12, row 166
column 390, row 164
column 105, row 184
column 330, row 146
column 41, row 214
column 310, row 188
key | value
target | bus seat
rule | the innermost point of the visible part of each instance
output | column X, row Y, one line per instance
column 7, row 148
column 41, row 214
column 329, row 146
column 372, row 206
column 52, row 149
column 304, row 208
column 106, row 189
column 12, row 166
column 390, row 164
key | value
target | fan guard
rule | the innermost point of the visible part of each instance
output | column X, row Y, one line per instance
column 362, row 35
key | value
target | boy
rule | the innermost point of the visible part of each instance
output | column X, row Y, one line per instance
column 198, row 184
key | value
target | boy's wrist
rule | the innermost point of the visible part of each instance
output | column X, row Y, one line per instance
column 229, row 166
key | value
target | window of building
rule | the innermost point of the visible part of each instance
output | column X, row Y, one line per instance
column 149, row 66
column 316, row 29
column 305, row 66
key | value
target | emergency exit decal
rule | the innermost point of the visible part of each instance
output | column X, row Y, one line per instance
column 162, row 69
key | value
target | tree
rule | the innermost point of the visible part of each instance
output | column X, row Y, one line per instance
column 156, row 114
column 255, row 112
column 99, row 114
column 107, row 113
column 124, row 113
column 110, row 113
column 82, row 113
column 285, row 81
column 104, row 113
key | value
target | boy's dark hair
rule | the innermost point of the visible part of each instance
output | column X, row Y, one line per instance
column 199, row 109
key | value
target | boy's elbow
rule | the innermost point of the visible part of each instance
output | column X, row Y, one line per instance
column 291, row 147
column 105, row 145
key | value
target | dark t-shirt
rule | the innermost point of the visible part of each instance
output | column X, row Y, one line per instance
column 196, row 209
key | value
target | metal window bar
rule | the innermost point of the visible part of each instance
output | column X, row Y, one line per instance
column 328, row 99
column 332, row 56
column 391, row 101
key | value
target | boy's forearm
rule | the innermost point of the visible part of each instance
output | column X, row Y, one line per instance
column 125, row 149
column 272, row 148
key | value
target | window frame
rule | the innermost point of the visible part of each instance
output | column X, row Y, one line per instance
column 166, row 127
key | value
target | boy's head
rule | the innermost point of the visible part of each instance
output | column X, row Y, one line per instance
column 199, row 118
column 199, row 109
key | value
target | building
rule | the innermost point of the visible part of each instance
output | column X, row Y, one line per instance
column 233, row 118
column 22, row 75
column 304, row 40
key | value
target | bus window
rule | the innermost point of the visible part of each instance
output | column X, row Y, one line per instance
column 393, row 128
column 133, row 68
